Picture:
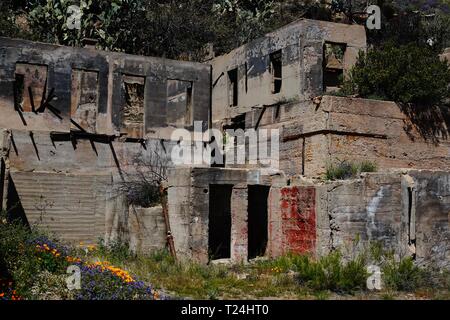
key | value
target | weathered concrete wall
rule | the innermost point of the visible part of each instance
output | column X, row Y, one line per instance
column 189, row 208
column 365, row 210
column 147, row 229
column 292, row 220
column 73, row 181
column 72, row 206
column 90, row 86
column 429, row 216
column 407, row 212
column 76, row 122
column 301, row 43
column 336, row 129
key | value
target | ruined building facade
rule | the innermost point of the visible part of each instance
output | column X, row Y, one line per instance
column 74, row 120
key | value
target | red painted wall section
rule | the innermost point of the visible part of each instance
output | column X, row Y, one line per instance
column 298, row 219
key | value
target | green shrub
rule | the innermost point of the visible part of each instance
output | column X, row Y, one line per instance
column 402, row 275
column 50, row 286
column 331, row 273
column 341, row 171
column 406, row 74
column 367, row 166
column 327, row 273
column 27, row 252
column 347, row 170
column 115, row 251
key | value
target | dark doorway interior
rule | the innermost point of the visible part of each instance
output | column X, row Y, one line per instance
column 219, row 233
column 233, row 87
column 276, row 69
column 257, row 220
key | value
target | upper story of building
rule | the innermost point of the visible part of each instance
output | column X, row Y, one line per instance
column 46, row 87
column 294, row 63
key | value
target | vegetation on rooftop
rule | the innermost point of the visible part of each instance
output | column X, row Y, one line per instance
column 405, row 74
column 342, row 170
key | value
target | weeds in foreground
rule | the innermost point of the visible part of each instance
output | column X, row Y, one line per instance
column 36, row 267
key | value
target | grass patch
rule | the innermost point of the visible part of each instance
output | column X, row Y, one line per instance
column 109, row 272
column 348, row 170
column 402, row 275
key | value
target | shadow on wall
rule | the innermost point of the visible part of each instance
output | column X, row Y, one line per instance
column 14, row 208
column 432, row 122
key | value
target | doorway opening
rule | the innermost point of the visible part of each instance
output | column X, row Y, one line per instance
column 257, row 220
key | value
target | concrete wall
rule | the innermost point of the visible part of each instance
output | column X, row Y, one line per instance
column 334, row 129
column 147, row 229
column 189, row 208
column 302, row 44
column 71, row 206
column 405, row 212
column 446, row 55
column 292, row 221
column 90, row 86
column 64, row 165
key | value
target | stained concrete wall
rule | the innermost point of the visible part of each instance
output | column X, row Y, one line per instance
column 65, row 165
column 72, row 182
column 430, row 216
column 302, row 44
column 292, row 221
column 147, row 229
column 94, row 81
column 407, row 212
column 332, row 129
column 404, row 211
column 188, row 193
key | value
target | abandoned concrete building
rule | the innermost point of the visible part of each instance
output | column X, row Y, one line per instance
column 74, row 120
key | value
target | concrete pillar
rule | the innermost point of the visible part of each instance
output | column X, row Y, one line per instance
column 239, row 227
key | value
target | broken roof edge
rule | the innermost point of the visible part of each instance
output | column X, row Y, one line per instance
column 22, row 43
column 295, row 23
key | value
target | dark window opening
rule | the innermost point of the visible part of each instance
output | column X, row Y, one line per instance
column 276, row 68
column 246, row 77
column 179, row 103
column 257, row 220
column 333, row 66
column 84, row 99
column 19, row 87
column 219, row 226
column 188, row 120
column 30, row 86
column 233, row 87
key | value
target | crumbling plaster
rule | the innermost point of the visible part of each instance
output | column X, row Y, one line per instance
column 302, row 44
